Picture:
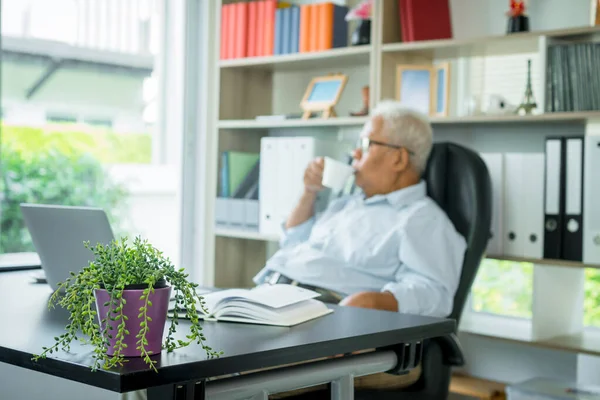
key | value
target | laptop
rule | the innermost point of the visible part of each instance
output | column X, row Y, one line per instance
column 58, row 234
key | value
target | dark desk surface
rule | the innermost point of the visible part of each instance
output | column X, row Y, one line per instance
column 19, row 261
column 27, row 325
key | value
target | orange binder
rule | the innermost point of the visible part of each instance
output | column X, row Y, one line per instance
column 314, row 27
column 325, row 30
column 304, row 45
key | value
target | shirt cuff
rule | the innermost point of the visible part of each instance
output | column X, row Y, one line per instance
column 296, row 234
column 406, row 302
column 419, row 298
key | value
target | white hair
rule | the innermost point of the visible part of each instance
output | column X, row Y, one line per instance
column 408, row 128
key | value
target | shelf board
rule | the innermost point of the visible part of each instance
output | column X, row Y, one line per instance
column 517, row 330
column 240, row 233
column 500, row 44
column 357, row 121
column 543, row 261
column 337, row 58
column 291, row 123
column 580, row 116
column 584, row 343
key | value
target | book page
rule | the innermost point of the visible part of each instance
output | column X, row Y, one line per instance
column 279, row 295
column 287, row 316
column 274, row 296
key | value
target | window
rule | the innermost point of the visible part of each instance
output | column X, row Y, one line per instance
column 83, row 130
column 504, row 288
column 592, row 298
column 61, row 118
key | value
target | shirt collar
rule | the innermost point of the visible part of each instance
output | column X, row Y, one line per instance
column 402, row 197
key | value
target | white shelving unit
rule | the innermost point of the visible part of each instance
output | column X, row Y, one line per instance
column 261, row 86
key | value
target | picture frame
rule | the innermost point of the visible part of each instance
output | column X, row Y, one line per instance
column 414, row 87
column 425, row 88
column 322, row 94
column 441, row 89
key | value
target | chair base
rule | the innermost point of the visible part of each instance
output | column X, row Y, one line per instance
column 433, row 384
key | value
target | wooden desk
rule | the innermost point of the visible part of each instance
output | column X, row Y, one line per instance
column 247, row 347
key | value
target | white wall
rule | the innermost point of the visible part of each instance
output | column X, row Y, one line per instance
column 153, row 205
column 477, row 18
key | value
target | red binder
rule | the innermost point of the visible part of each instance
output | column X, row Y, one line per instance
column 241, row 29
column 231, row 30
column 252, row 27
column 260, row 28
column 269, row 27
column 427, row 20
column 224, row 32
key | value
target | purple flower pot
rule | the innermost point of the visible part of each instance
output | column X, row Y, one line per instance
column 157, row 312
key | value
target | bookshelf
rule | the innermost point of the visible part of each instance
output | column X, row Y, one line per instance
column 331, row 58
column 274, row 85
column 291, row 123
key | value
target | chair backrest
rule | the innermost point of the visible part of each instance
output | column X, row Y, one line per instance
column 458, row 180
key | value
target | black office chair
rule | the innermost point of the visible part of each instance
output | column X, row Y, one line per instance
column 458, row 180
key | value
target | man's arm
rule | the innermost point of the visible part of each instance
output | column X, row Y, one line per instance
column 376, row 300
column 313, row 175
column 431, row 253
column 303, row 211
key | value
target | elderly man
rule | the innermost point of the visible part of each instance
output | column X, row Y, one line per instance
column 390, row 247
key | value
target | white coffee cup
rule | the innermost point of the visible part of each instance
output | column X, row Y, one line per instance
column 335, row 174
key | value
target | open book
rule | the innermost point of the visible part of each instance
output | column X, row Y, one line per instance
column 282, row 305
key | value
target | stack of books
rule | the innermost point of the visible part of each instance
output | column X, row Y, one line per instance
column 572, row 80
column 267, row 27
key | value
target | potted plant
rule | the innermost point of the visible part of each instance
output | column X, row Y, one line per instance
column 130, row 286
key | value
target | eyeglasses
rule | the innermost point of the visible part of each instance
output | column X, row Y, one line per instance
column 365, row 143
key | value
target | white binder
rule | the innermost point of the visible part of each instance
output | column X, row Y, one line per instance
column 267, row 195
column 523, row 213
column 494, row 162
column 591, row 201
column 533, row 205
column 572, row 234
column 513, row 238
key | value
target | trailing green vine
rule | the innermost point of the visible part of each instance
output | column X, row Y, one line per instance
column 114, row 268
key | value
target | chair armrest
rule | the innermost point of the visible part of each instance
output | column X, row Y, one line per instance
column 452, row 352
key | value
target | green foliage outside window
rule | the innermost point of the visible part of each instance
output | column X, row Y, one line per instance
column 102, row 144
column 592, row 298
column 503, row 287
column 506, row 288
column 53, row 167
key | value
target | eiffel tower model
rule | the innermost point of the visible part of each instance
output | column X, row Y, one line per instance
column 528, row 104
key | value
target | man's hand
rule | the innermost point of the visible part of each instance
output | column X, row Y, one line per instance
column 375, row 300
column 313, row 175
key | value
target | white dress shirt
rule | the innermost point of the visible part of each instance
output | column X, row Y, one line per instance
column 402, row 242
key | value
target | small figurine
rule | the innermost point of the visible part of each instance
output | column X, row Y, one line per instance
column 365, row 98
column 361, row 13
column 517, row 21
column 528, row 103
